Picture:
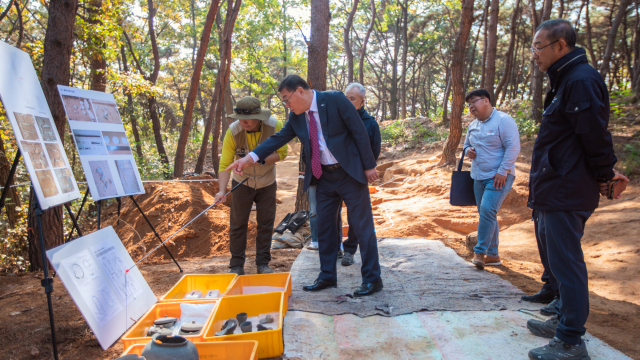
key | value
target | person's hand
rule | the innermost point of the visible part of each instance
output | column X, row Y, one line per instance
column 471, row 153
column 221, row 197
column 372, row 175
column 240, row 164
column 604, row 187
column 498, row 181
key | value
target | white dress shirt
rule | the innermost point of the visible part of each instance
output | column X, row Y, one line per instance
column 326, row 157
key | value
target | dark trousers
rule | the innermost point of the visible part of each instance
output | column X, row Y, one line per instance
column 550, row 283
column 241, row 203
column 559, row 233
column 333, row 187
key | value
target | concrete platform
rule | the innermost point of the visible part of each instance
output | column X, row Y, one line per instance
column 475, row 323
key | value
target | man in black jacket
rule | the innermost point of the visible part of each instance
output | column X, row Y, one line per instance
column 572, row 157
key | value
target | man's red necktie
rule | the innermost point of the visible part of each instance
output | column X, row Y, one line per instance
column 316, row 166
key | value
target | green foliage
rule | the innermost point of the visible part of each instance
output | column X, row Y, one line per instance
column 631, row 159
column 411, row 132
column 520, row 111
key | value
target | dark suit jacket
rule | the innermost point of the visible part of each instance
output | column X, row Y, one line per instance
column 343, row 131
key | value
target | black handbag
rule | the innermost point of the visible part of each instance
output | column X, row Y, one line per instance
column 461, row 193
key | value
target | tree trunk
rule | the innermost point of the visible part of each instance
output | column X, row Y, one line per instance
column 510, row 52
column 58, row 46
column 473, row 54
column 485, row 24
column 318, row 47
column 405, row 50
column 363, row 51
column 445, row 102
column 492, row 48
column 536, row 81
column 347, row 40
column 592, row 54
column 178, row 168
column 457, row 73
column 132, row 117
column 151, row 101
column 13, row 199
column 606, row 59
column 97, row 48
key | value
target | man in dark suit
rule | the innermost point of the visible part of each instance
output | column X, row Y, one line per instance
column 339, row 160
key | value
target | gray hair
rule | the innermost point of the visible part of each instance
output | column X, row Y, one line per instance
column 358, row 86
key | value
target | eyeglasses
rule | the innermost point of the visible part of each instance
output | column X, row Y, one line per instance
column 247, row 111
column 286, row 101
column 473, row 102
column 536, row 51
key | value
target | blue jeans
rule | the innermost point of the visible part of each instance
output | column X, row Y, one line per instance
column 489, row 200
column 313, row 219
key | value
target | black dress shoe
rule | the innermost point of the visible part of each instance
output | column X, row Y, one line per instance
column 368, row 288
column 543, row 297
column 319, row 285
column 550, row 309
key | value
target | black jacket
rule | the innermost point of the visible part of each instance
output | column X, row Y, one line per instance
column 343, row 131
column 574, row 149
column 373, row 130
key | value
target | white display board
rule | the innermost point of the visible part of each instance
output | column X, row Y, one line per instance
column 92, row 268
column 34, row 129
column 102, row 143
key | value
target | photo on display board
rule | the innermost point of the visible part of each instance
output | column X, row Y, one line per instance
column 65, row 179
column 36, row 154
column 128, row 176
column 55, row 155
column 106, row 112
column 78, row 109
column 27, row 125
column 89, row 142
column 102, row 178
column 47, row 184
column 46, row 130
column 116, row 142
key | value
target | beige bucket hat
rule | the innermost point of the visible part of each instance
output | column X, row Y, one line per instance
column 249, row 108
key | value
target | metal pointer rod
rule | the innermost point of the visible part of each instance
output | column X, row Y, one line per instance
column 187, row 224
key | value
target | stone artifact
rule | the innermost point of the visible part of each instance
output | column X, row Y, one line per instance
column 228, row 328
column 193, row 294
column 246, row 327
column 242, row 317
column 192, row 328
column 267, row 319
column 263, row 328
column 164, row 347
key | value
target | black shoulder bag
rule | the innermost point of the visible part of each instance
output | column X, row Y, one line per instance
column 462, row 187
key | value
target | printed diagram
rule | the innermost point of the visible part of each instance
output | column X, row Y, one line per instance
column 114, row 267
column 36, row 154
column 128, row 176
column 78, row 109
column 65, row 179
column 83, row 271
column 106, row 112
column 55, row 155
column 102, row 178
column 47, row 184
column 27, row 125
column 46, row 130
column 89, row 142
column 116, row 142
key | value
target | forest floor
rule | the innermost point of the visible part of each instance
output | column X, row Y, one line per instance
column 412, row 201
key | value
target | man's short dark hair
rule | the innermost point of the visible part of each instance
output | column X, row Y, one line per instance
column 559, row 29
column 477, row 92
column 292, row 83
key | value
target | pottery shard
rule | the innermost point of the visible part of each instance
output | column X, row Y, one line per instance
column 472, row 240
column 35, row 352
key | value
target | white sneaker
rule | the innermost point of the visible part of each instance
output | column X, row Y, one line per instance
column 313, row 245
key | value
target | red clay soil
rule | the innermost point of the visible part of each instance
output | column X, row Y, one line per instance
column 169, row 206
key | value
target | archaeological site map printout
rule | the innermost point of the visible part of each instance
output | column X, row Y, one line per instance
column 33, row 127
column 101, row 140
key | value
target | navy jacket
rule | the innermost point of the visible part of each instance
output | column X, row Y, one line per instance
column 373, row 130
column 343, row 131
column 574, row 149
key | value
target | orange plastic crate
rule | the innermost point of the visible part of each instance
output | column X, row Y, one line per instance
column 279, row 280
column 202, row 282
column 219, row 350
column 269, row 341
column 137, row 333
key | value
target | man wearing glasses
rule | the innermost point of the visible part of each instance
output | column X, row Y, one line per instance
column 572, row 162
column 254, row 125
column 340, row 161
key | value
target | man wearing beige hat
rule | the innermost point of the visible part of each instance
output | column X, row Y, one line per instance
column 252, row 127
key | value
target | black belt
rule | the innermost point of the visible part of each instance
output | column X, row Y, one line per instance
column 332, row 167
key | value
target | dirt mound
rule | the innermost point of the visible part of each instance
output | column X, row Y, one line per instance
column 169, row 206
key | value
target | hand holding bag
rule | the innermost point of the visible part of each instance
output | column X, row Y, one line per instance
column 462, row 187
